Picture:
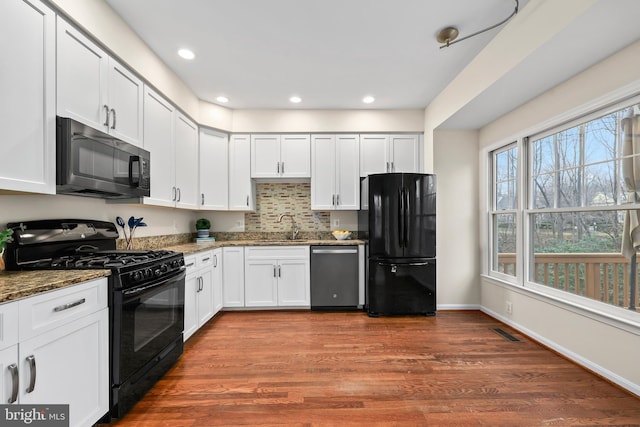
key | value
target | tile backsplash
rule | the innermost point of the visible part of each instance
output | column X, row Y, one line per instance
column 274, row 199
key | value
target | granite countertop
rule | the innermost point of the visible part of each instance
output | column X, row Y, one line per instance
column 21, row 284
column 191, row 248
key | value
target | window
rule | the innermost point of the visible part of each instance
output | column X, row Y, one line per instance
column 504, row 224
column 577, row 209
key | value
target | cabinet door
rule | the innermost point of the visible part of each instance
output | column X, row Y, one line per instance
column 405, row 153
column 82, row 78
column 323, row 172
column 27, row 97
column 233, row 276
column 71, row 367
column 8, row 376
column 186, row 158
column 265, row 156
column 241, row 187
column 261, row 284
column 191, row 284
column 126, row 92
column 214, row 176
column 293, row 283
column 205, row 296
column 217, row 280
column 158, row 140
column 295, row 156
column 374, row 154
column 347, row 172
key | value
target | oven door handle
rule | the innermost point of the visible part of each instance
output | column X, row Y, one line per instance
column 161, row 283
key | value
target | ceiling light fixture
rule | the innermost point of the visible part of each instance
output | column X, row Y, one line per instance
column 186, row 54
column 447, row 35
column 295, row 99
column 368, row 99
column 222, row 99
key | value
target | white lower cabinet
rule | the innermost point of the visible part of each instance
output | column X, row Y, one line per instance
column 277, row 276
column 203, row 289
column 233, row 276
column 61, row 355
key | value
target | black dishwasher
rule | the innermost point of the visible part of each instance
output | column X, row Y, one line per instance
column 334, row 277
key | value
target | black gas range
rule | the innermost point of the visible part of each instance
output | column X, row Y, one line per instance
column 146, row 296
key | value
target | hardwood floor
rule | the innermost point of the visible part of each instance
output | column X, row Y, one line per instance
column 302, row 368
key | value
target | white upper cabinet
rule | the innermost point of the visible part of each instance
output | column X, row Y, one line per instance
column 335, row 178
column 214, row 170
column 27, row 97
column 280, row 156
column 158, row 140
column 389, row 153
column 242, row 192
column 186, row 155
column 95, row 89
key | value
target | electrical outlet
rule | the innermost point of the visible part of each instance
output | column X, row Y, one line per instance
column 336, row 223
column 509, row 307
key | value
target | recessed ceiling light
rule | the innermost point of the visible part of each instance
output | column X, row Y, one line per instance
column 222, row 99
column 368, row 99
column 186, row 54
column 295, row 99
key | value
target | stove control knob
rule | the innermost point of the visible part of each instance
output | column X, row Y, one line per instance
column 175, row 263
column 164, row 268
column 148, row 273
column 136, row 276
column 157, row 272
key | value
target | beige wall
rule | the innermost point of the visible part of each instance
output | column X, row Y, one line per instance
column 456, row 167
column 606, row 347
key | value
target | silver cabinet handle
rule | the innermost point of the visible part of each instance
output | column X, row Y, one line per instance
column 202, row 195
column 13, row 369
column 278, row 167
column 69, row 305
column 173, row 194
column 113, row 112
column 388, row 169
column 282, row 168
column 333, row 200
column 274, row 271
column 179, row 194
column 189, row 265
column 393, row 167
column 247, row 201
column 32, row 371
column 337, row 200
column 215, row 261
column 206, row 259
column 279, row 272
column 106, row 110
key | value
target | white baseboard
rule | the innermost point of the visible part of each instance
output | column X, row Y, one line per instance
column 458, row 307
column 605, row 373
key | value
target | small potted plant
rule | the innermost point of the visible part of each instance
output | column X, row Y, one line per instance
column 5, row 237
column 202, row 226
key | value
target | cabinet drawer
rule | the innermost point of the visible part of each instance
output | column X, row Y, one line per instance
column 8, row 324
column 278, row 252
column 45, row 312
column 190, row 262
column 205, row 259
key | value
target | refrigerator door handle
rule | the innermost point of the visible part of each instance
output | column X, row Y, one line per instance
column 400, row 217
column 407, row 218
column 410, row 264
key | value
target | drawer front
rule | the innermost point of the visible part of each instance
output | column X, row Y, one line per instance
column 8, row 324
column 205, row 259
column 47, row 311
column 191, row 262
column 277, row 252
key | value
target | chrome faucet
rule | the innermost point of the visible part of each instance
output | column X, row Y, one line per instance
column 294, row 227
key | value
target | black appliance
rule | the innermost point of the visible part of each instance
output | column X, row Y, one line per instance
column 94, row 164
column 334, row 277
column 146, row 296
column 398, row 221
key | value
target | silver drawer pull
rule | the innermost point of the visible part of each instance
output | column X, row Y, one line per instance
column 206, row 259
column 13, row 369
column 70, row 305
column 189, row 265
column 32, row 370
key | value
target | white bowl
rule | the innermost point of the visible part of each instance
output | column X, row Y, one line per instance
column 341, row 236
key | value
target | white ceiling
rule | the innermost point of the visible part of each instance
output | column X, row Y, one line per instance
column 332, row 53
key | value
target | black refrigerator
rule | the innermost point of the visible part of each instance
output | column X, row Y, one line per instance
column 398, row 221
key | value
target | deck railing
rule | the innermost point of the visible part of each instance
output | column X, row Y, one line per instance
column 599, row 276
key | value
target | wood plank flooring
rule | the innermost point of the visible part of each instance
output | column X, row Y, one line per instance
column 302, row 368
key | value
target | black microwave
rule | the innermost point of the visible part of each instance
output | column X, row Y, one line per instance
column 94, row 164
